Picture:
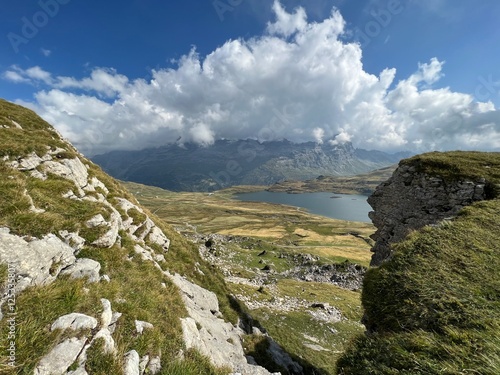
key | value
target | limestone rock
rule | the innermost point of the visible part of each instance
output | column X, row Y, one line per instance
column 140, row 326
column 131, row 365
column 96, row 183
column 84, row 268
column 409, row 200
column 127, row 205
column 111, row 236
column 74, row 322
column 143, row 363
column 109, row 342
column 154, row 366
column 30, row 162
column 106, row 278
column 73, row 240
column 156, row 236
column 217, row 339
column 114, row 320
column 60, row 358
column 71, row 169
column 39, row 261
column 16, row 124
column 145, row 254
column 96, row 221
column 107, row 313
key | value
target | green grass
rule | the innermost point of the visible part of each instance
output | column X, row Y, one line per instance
column 459, row 165
column 435, row 307
column 290, row 329
column 101, row 363
column 136, row 287
column 330, row 240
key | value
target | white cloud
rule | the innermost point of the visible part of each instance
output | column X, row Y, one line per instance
column 13, row 76
column 341, row 138
column 300, row 80
column 286, row 23
column 318, row 134
column 32, row 75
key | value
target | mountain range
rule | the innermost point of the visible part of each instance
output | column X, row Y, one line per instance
column 190, row 167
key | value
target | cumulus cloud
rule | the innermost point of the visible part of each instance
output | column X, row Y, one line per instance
column 287, row 24
column 300, row 80
column 318, row 134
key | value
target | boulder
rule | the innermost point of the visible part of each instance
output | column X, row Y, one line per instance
column 131, row 363
column 38, row 262
column 70, row 169
column 156, row 236
column 74, row 322
column 111, row 236
column 109, row 342
column 61, row 357
column 72, row 239
column 107, row 313
column 210, row 335
column 84, row 268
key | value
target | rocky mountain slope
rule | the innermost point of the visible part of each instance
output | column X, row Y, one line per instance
column 92, row 282
column 432, row 306
column 226, row 163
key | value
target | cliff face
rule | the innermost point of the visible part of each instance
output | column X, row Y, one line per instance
column 413, row 198
column 432, row 304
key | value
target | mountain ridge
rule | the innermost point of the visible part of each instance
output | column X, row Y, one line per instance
column 227, row 163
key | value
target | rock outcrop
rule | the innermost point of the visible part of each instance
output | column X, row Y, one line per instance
column 58, row 210
column 413, row 198
column 437, row 258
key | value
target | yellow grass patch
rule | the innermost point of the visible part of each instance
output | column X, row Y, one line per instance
column 275, row 232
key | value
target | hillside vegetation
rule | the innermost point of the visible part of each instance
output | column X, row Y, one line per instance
column 434, row 308
column 33, row 207
column 246, row 237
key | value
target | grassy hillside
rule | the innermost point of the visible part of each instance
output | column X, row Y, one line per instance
column 135, row 288
column 260, row 234
column 434, row 308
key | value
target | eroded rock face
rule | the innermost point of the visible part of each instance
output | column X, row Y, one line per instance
column 410, row 200
column 37, row 262
column 205, row 331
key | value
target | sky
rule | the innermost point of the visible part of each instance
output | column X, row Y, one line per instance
column 391, row 75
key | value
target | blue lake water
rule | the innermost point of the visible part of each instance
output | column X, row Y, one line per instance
column 342, row 206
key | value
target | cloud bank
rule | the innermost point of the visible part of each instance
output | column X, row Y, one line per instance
column 300, row 80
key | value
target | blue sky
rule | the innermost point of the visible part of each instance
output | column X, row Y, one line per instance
column 385, row 74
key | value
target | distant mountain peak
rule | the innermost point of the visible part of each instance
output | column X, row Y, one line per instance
column 190, row 167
